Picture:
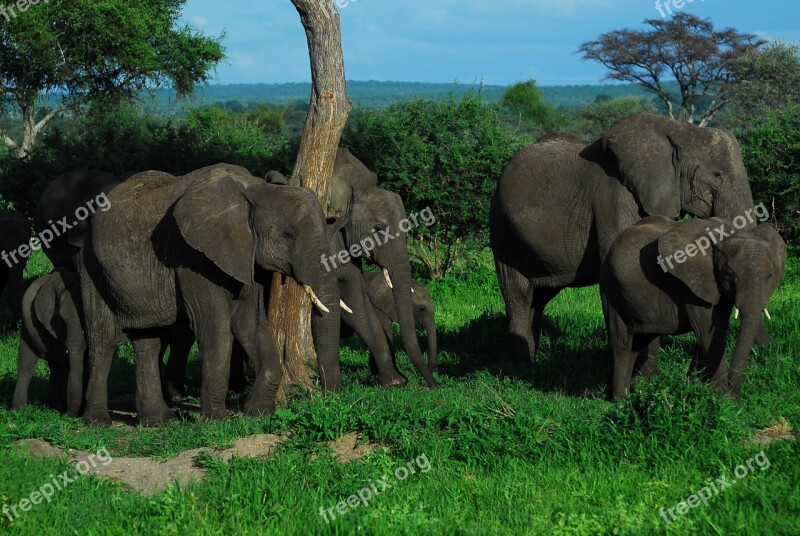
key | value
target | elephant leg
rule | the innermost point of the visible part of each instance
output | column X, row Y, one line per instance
column 56, row 389
column 150, row 405
column 541, row 297
column 215, row 343
column 647, row 360
column 101, row 353
column 26, row 366
column 620, row 340
column 269, row 372
column 709, row 357
column 517, row 294
column 181, row 339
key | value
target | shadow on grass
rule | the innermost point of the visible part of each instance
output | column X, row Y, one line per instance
column 561, row 366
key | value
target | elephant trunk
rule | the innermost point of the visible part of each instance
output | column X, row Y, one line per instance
column 324, row 325
column 400, row 272
column 751, row 320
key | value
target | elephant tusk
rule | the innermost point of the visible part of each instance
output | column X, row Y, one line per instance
column 412, row 290
column 345, row 307
column 388, row 279
column 315, row 300
column 735, row 312
column 767, row 313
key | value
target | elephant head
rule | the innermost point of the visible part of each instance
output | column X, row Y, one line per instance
column 674, row 167
column 744, row 268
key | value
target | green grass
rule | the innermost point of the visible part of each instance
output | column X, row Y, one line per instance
column 512, row 450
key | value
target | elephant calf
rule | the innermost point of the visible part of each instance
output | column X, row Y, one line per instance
column 663, row 277
column 52, row 330
column 381, row 296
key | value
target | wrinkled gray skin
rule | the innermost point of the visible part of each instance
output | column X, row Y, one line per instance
column 561, row 202
column 52, row 330
column 62, row 197
column 641, row 301
column 173, row 249
column 368, row 210
column 381, row 297
column 364, row 321
column 14, row 231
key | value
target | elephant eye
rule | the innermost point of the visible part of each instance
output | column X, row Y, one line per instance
column 719, row 175
column 288, row 234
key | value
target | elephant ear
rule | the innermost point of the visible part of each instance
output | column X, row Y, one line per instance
column 777, row 247
column 351, row 170
column 696, row 272
column 213, row 216
column 649, row 163
column 46, row 303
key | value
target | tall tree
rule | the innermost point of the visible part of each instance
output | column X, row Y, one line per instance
column 686, row 49
column 75, row 52
column 290, row 307
column 526, row 100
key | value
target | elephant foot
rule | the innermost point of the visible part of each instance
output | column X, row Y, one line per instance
column 259, row 409
column 97, row 418
column 215, row 414
column 648, row 369
column 396, row 381
column 173, row 393
column 156, row 418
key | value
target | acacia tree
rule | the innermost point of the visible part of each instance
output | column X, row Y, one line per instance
column 685, row 49
column 290, row 307
column 76, row 52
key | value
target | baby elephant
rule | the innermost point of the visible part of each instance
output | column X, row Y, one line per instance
column 664, row 277
column 51, row 330
column 381, row 296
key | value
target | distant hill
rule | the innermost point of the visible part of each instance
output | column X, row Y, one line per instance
column 380, row 94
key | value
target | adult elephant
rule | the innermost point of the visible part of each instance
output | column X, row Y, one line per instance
column 367, row 212
column 186, row 248
column 561, row 202
column 14, row 232
column 58, row 205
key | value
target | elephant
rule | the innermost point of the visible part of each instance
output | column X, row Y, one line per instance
column 52, row 330
column 380, row 294
column 14, row 232
column 174, row 249
column 716, row 266
column 561, row 202
column 369, row 211
column 363, row 210
column 57, row 208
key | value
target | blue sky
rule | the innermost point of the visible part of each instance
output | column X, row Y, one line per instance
column 494, row 41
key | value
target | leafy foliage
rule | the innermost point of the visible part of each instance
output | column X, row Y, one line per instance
column 771, row 152
column 770, row 81
column 442, row 155
column 526, row 101
column 88, row 50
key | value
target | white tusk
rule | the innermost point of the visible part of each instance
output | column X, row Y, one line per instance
column 767, row 313
column 735, row 312
column 315, row 300
column 412, row 290
column 345, row 307
column 388, row 279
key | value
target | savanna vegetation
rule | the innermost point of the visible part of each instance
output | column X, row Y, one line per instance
column 513, row 449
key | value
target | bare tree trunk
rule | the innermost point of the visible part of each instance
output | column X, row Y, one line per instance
column 290, row 308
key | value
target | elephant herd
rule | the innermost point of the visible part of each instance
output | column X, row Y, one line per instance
column 170, row 260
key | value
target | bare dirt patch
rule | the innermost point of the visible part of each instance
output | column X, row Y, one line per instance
column 148, row 476
column 777, row 431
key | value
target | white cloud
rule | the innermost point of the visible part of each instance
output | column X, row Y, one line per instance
column 198, row 20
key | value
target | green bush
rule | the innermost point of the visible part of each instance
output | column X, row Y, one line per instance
column 771, row 151
column 443, row 155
